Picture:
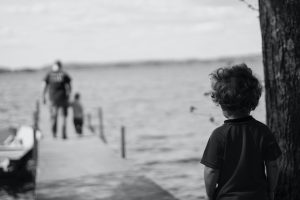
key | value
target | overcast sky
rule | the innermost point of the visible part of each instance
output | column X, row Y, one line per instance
column 36, row 32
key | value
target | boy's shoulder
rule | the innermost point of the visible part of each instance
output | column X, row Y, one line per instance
column 223, row 129
column 219, row 132
column 261, row 126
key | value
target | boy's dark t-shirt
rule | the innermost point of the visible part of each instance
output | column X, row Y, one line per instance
column 77, row 110
column 239, row 149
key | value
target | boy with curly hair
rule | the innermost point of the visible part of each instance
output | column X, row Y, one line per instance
column 240, row 156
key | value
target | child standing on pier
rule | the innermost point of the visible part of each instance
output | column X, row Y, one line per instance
column 78, row 115
column 240, row 156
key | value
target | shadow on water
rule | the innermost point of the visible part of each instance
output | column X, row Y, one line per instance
column 19, row 181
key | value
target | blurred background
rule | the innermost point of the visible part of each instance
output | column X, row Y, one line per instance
column 145, row 62
column 35, row 32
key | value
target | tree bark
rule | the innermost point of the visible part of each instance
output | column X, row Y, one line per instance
column 280, row 28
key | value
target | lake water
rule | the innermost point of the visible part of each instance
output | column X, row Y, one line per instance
column 164, row 139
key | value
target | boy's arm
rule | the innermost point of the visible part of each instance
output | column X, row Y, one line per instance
column 272, row 177
column 211, row 177
column 67, row 83
column 68, row 89
column 45, row 91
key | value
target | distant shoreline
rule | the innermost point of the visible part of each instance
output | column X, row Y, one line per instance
column 167, row 62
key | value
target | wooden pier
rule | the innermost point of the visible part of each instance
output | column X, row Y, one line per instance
column 59, row 159
column 84, row 168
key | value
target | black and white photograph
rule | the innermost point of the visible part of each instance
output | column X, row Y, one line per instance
column 149, row 100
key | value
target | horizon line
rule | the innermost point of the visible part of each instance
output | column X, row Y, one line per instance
column 128, row 62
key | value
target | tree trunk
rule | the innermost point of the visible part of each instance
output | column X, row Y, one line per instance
column 280, row 27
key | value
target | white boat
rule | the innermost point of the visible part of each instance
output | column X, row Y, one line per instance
column 15, row 144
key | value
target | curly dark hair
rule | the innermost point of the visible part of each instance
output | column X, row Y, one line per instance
column 235, row 88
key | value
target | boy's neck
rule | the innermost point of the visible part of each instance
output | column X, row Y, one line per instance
column 236, row 115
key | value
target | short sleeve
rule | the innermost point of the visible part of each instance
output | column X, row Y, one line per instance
column 213, row 153
column 271, row 150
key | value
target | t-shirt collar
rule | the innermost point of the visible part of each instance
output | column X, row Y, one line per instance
column 238, row 120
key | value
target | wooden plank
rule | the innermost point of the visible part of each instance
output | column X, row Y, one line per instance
column 140, row 188
column 76, row 157
column 113, row 186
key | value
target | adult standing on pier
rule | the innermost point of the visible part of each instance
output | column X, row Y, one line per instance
column 58, row 85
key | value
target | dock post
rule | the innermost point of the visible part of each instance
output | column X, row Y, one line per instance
column 101, row 126
column 123, row 142
column 36, row 118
